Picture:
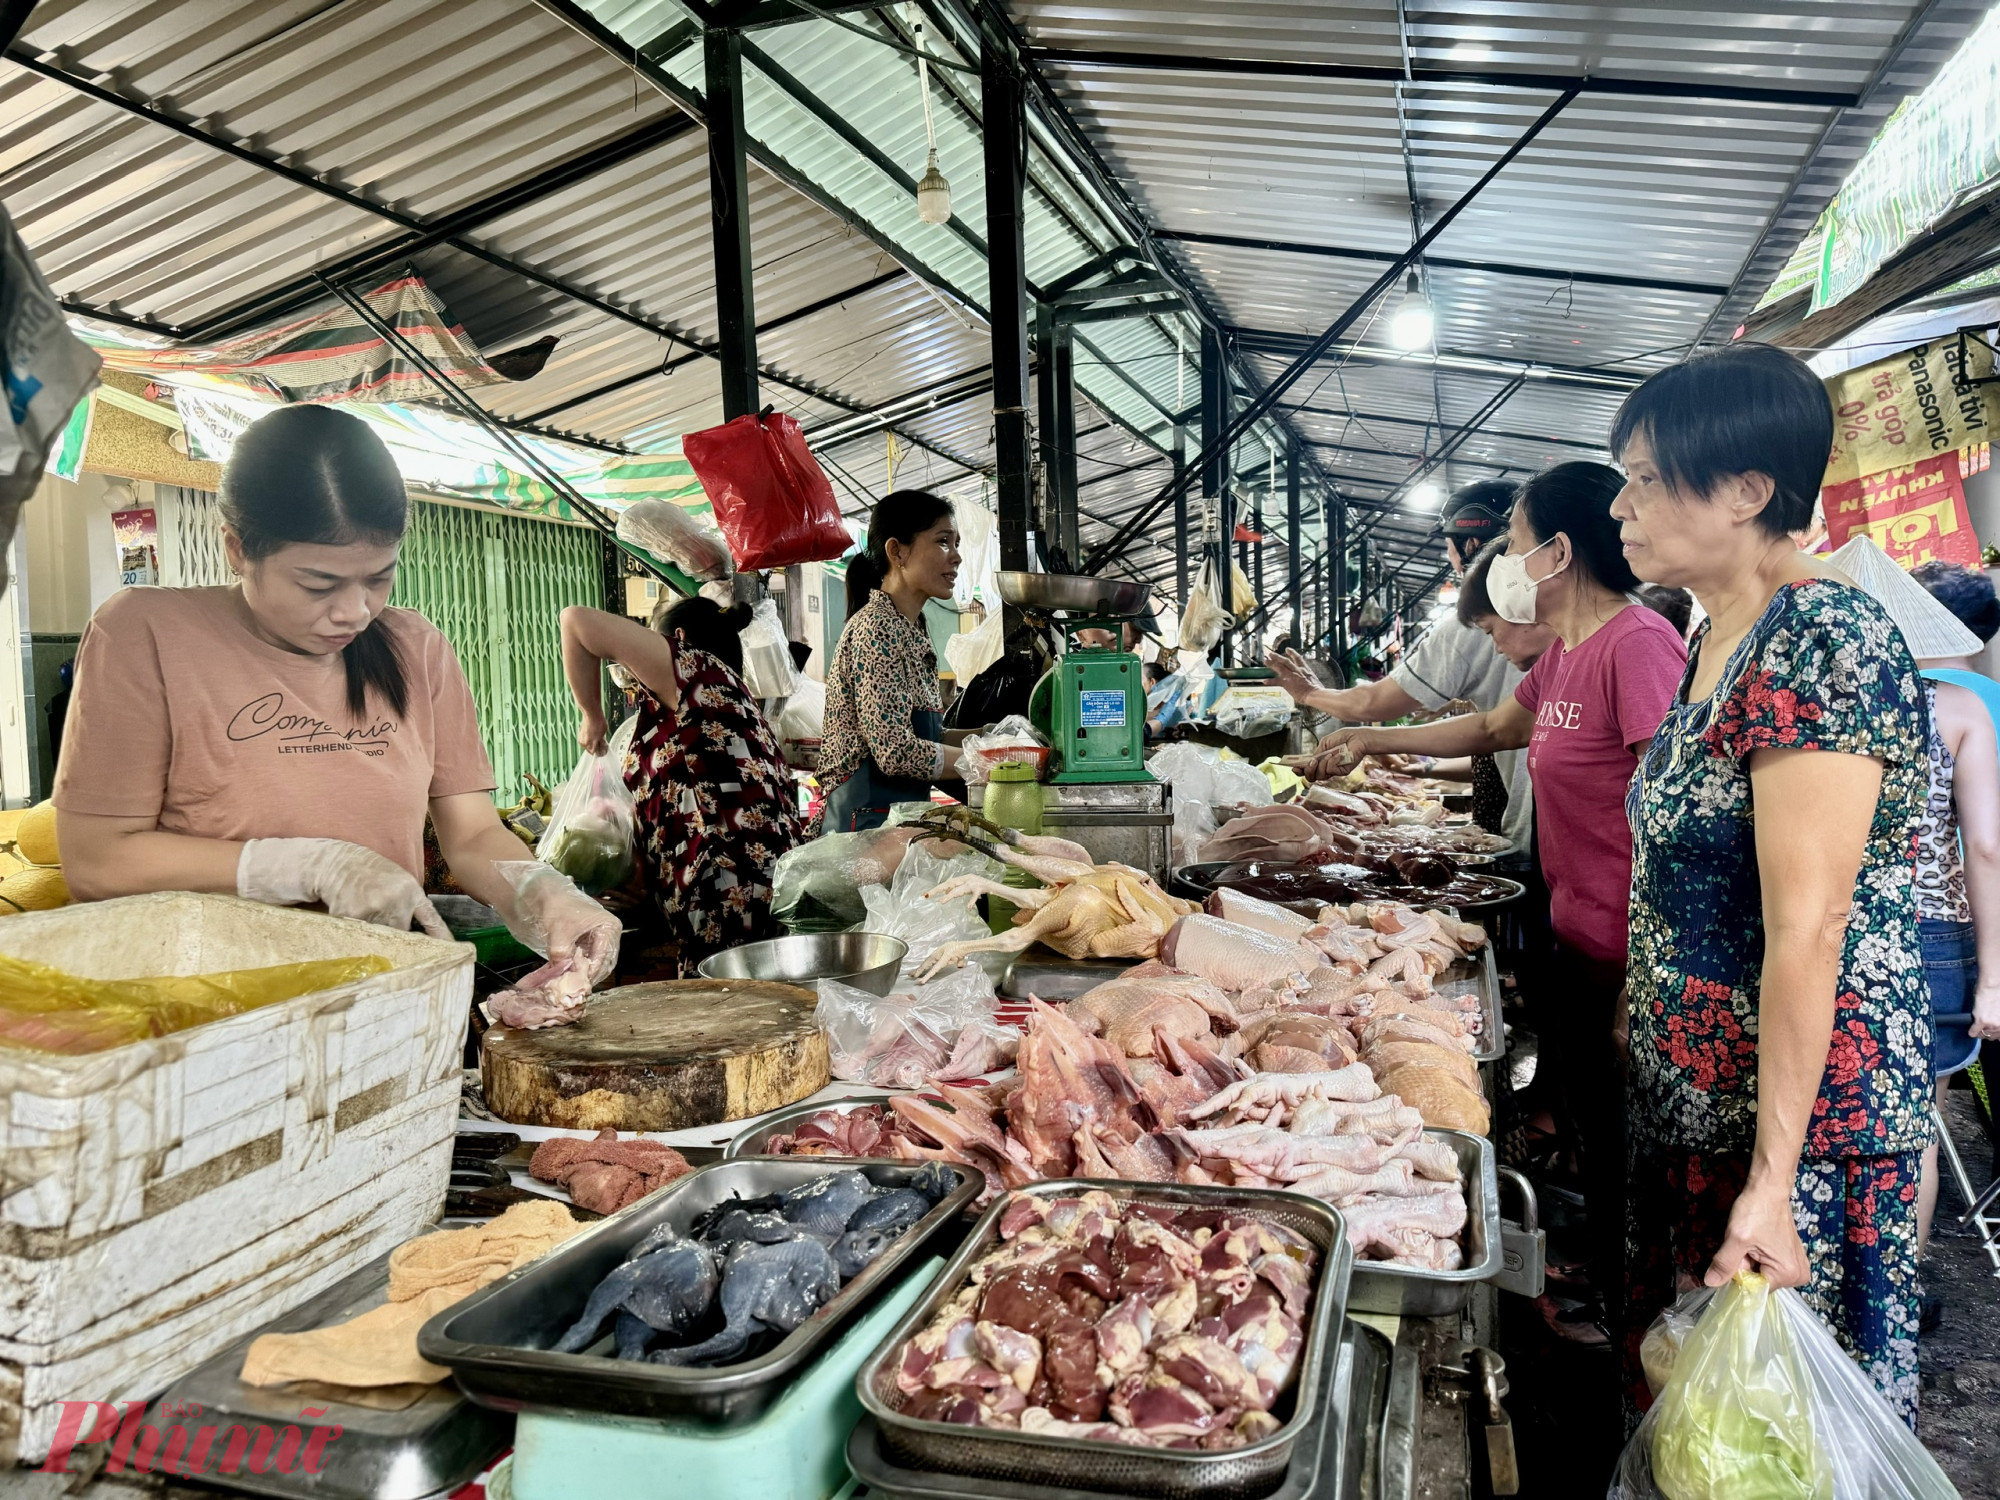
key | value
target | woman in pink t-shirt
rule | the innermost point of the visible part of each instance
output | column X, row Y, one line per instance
column 285, row 739
column 1585, row 713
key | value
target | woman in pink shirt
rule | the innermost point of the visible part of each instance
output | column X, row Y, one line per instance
column 1585, row 713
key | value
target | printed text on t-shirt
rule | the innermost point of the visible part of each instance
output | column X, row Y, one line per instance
column 1557, row 715
column 300, row 733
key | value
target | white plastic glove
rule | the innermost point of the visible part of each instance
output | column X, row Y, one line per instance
column 348, row 880
column 556, row 919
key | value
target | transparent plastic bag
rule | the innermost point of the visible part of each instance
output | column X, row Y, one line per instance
column 1247, row 712
column 590, row 832
column 818, row 884
column 1661, row 1347
column 767, row 656
column 971, row 652
column 1201, row 781
column 1763, row 1404
column 975, row 766
column 907, row 1040
column 803, row 718
column 671, row 534
column 902, row 907
column 1204, row 619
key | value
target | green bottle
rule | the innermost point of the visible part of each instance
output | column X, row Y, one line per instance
column 1013, row 800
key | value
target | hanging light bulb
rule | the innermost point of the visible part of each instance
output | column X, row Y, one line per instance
column 933, row 192
column 1414, row 322
column 1426, row 495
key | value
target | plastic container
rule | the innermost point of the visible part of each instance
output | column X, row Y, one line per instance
column 1013, row 800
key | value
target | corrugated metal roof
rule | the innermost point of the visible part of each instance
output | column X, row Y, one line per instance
column 423, row 107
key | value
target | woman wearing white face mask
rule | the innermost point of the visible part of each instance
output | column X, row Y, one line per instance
column 1585, row 713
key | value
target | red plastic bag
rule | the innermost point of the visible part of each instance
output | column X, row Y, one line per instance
column 771, row 498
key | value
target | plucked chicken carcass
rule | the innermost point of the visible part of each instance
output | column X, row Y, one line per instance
column 1235, row 957
column 1126, row 1011
column 1084, row 910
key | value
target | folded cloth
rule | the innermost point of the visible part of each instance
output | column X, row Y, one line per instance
column 426, row 1275
column 606, row 1173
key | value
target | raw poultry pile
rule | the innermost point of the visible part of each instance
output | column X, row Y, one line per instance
column 749, row 1270
column 1120, row 1322
column 1341, row 1010
column 1330, row 825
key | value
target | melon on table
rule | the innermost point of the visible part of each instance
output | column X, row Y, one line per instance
column 664, row 1056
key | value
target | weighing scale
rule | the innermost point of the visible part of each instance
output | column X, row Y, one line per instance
column 1091, row 704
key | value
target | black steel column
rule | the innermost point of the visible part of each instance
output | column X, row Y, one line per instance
column 1297, row 541
column 729, row 211
column 1059, row 366
column 1180, row 516
column 1336, row 580
column 1215, row 469
column 1006, row 140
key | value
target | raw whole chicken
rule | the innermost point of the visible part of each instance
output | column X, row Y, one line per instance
column 1236, row 957
column 1248, row 911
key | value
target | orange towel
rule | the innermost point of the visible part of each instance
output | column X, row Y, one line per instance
column 426, row 1275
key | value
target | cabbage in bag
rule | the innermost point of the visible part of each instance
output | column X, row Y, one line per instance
column 591, row 829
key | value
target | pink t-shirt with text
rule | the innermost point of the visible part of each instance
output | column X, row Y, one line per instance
column 1592, row 706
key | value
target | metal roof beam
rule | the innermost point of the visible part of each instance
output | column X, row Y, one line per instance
column 920, row 402
column 755, row 15
column 1492, row 267
column 1555, row 83
column 1290, row 345
column 1428, row 422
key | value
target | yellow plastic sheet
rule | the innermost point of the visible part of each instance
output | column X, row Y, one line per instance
column 47, row 1010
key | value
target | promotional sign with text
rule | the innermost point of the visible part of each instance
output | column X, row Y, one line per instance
column 1914, row 514
column 1923, row 403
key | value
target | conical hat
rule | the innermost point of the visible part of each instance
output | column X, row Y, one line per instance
column 1929, row 628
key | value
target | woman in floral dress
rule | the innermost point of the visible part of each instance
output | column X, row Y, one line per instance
column 1780, row 1027
column 715, row 803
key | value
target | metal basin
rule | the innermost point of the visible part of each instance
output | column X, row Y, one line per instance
column 1077, row 593
column 867, row 960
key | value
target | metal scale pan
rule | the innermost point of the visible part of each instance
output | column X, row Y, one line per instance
column 1075, row 594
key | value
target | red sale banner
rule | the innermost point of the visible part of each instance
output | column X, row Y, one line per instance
column 1914, row 514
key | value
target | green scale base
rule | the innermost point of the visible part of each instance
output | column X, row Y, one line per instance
column 796, row 1451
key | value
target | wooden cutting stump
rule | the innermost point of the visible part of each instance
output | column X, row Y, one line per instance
column 661, row 1057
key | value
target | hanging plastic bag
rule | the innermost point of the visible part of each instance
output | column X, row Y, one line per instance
column 672, row 535
column 772, row 500
column 940, row 1032
column 1763, row 1402
column 767, row 656
column 48, row 369
column 1246, row 710
column 971, row 652
column 590, row 832
column 801, row 724
column 902, row 908
column 978, row 754
column 1204, row 619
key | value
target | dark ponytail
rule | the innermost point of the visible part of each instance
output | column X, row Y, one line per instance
column 706, row 626
column 901, row 516
column 315, row 476
column 1575, row 499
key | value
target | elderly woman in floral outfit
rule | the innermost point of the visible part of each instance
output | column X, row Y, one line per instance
column 715, row 803
column 1780, row 1026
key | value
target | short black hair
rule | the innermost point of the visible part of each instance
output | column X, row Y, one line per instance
column 1746, row 408
column 1575, row 499
column 1966, row 592
column 707, row 626
column 1474, row 603
column 1675, row 606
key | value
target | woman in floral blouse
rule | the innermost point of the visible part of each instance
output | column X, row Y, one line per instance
column 1780, row 1028
column 715, row 802
column 885, row 740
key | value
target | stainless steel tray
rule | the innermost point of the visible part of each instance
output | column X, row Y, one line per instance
column 751, row 1141
column 433, row 1445
column 1482, row 972
column 1171, row 1474
column 496, row 1342
column 1199, row 878
column 1383, row 1288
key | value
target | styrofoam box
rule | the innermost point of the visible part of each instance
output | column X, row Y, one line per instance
column 160, row 1200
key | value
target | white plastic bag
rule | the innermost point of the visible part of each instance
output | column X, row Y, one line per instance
column 1661, row 1347
column 975, row 766
column 1204, row 619
column 47, row 368
column 1202, row 780
column 590, row 832
column 668, row 532
column 1247, row 710
column 767, row 656
column 971, row 652
column 1763, row 1402
column 930, row 1033
column 804, row 715
column 902, row 908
